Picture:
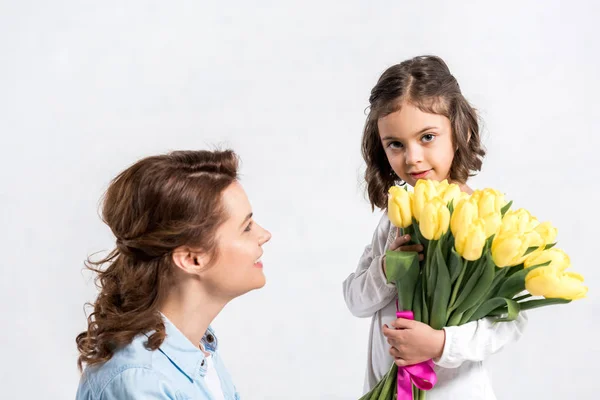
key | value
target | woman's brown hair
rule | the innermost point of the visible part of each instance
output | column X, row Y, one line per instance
column 155, row 206
column 425, row 82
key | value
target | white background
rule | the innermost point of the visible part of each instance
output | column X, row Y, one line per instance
column 87, row 88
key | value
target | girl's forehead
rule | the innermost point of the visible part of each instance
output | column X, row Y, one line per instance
column 410, row 120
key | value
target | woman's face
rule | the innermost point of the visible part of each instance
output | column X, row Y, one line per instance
column 237, row 268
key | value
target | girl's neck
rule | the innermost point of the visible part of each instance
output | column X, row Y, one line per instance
column 192, row 309
column 465, row 188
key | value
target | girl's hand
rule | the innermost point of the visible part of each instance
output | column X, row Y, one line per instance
column 399, row 244
column 413, row 342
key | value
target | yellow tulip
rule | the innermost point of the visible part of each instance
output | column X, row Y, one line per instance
column 552, row 283
column 558, row 259
column 518, row 220
column 508, row 249
column 547, row 232
column 526, row 222
column 470, row 240
column 491, row 223
column 440, row 186
column 425, row 191
column 399, row 208
column 516, row 235
column 490, row 203
column 435, row 219
column 465, row 212
column 462, row 196
column 450, row 193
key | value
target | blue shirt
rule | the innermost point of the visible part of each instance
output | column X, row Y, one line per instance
column 176, row 370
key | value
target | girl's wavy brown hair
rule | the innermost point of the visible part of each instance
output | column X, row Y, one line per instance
column 155, row 206
column 425, row 82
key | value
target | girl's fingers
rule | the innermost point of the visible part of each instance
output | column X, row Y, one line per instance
column 417, row 248
column 399, row 241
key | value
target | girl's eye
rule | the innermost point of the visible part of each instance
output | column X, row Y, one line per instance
column 248, row 228
column 395, row 145
column 428, row 137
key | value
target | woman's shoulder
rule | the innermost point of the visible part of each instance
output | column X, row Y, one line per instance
column 132, row 365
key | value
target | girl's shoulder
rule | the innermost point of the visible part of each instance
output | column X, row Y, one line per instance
column 385, row 232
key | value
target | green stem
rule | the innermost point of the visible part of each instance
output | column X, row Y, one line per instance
column 427, row 273
column 457, row 286
column 410, row 230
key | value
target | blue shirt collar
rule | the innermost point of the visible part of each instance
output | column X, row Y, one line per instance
column 184, row 354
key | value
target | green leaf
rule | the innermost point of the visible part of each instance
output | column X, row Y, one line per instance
column 490, row 305
column 431, row 273
column 514, row 284
column 424, row 309
column 531, row 304
column 549, row 246
column 374, row 393
column 455, row 319
column 387, row 391
column 497, row 282
column 513, row 309
column 442, row 291
column 447, row 249
column 514, row 270
column 466, row 290
column 506, row 208
column 531, row 250
column 417, row 232
column 377, row 392
column 540, row 265
column 481, row 287
column 485, row 308
column 402, row 269
column 466, row 316
column 417, row 305
column 455, row 265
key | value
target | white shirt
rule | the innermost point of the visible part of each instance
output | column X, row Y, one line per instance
column 460, row 370
column 212, row 380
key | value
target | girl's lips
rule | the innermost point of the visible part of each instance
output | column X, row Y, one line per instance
column 420, row 175
column 258, row 264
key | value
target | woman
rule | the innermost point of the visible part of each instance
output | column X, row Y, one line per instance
column 186, row 244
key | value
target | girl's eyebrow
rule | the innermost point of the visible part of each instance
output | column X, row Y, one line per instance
column 427, row 128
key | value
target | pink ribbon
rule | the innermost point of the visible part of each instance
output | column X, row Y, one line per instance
column 421, row 374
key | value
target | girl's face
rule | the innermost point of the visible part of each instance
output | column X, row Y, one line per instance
column 237, row 268
column 418, row 145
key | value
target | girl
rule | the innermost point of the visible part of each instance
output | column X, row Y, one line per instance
column 186, row 244
column 420, row 127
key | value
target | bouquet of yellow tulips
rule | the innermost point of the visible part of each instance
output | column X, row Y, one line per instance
column 482, row 259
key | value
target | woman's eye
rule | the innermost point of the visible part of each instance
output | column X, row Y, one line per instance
column 248, row 228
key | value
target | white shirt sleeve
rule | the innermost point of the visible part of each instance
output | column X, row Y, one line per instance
column 477, row 340
column 366, row 291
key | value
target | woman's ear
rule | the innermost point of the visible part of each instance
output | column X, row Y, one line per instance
column 189, row 260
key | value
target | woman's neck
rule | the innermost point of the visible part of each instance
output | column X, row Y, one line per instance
column 192, row 309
